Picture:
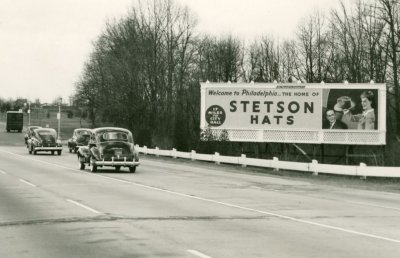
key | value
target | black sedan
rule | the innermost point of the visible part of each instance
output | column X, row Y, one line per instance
column 44, row 139
column 109, row 146
column 80, row 137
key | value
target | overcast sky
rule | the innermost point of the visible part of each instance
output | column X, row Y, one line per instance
column 44, row 43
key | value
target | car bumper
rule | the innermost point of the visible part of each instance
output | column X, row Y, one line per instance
column 48, row 148
column 116, row 163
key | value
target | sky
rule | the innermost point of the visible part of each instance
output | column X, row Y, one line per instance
column 44, row 43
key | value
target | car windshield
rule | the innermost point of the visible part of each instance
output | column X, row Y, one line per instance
column 113, row 136
column 47, row 135
column 84, row 136
column 83, row 133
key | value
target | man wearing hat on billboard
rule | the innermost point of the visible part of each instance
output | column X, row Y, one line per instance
column 344, row 103
column 333, row 123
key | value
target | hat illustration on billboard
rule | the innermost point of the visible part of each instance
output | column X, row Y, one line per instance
column 344, row 102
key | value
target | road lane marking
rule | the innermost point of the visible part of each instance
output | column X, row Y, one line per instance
column 26, row 182
column 3, row 172
column 197, row 253
column 37, row 160
column 224, row 204
column 83, row 206
column 270, row 213
column 374, row 205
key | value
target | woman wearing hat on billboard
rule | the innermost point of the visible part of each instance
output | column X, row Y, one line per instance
column 365, row 120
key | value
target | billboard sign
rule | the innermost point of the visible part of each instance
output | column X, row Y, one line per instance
column 302, row 113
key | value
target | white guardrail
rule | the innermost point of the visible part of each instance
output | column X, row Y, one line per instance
column 314, row 167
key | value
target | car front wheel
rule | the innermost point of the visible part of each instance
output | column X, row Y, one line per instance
column 81, row 165
column 93, row 167
column 132, row 169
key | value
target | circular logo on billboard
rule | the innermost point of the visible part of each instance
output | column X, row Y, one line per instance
column 215, row 115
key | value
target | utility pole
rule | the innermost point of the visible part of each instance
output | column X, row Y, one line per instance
column 29, row 113
column 59, row 117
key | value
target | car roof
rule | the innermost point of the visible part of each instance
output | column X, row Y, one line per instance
column 82, row 129
column 34, row 127
column 110, row 129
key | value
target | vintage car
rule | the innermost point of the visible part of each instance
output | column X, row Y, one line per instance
column 80, row 137
column 44, row 139
column 109, row 146
column 28, row 133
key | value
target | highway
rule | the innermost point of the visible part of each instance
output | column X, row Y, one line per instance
column 169, row 208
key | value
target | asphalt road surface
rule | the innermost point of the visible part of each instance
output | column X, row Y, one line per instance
column 50, row 208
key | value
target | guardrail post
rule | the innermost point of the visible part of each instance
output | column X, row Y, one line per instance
column 174, row 153
column 242, row 160
column 145, row 149
column 275, row 162
column 193, row 155
column 216, row 158
column 156, row 152
column 314, row 167
column 362, row 165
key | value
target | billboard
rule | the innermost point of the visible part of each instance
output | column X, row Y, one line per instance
column 299, row 113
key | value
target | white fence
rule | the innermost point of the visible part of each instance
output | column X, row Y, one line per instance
column 314, row 167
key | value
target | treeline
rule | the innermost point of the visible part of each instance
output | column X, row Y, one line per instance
column 18, row 103
column 15, row 104
column 145, row 70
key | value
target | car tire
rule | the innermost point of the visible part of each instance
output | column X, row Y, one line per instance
column 70, row 150
column 117, row 168
column 52, row 152
column 59, row 153
column 81, row 165
column 93, row 167
column 34, row 151
column 132, row 169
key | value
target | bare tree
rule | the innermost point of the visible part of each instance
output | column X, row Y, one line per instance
column 264, row 60
column 390, row 14
column 315, row 48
